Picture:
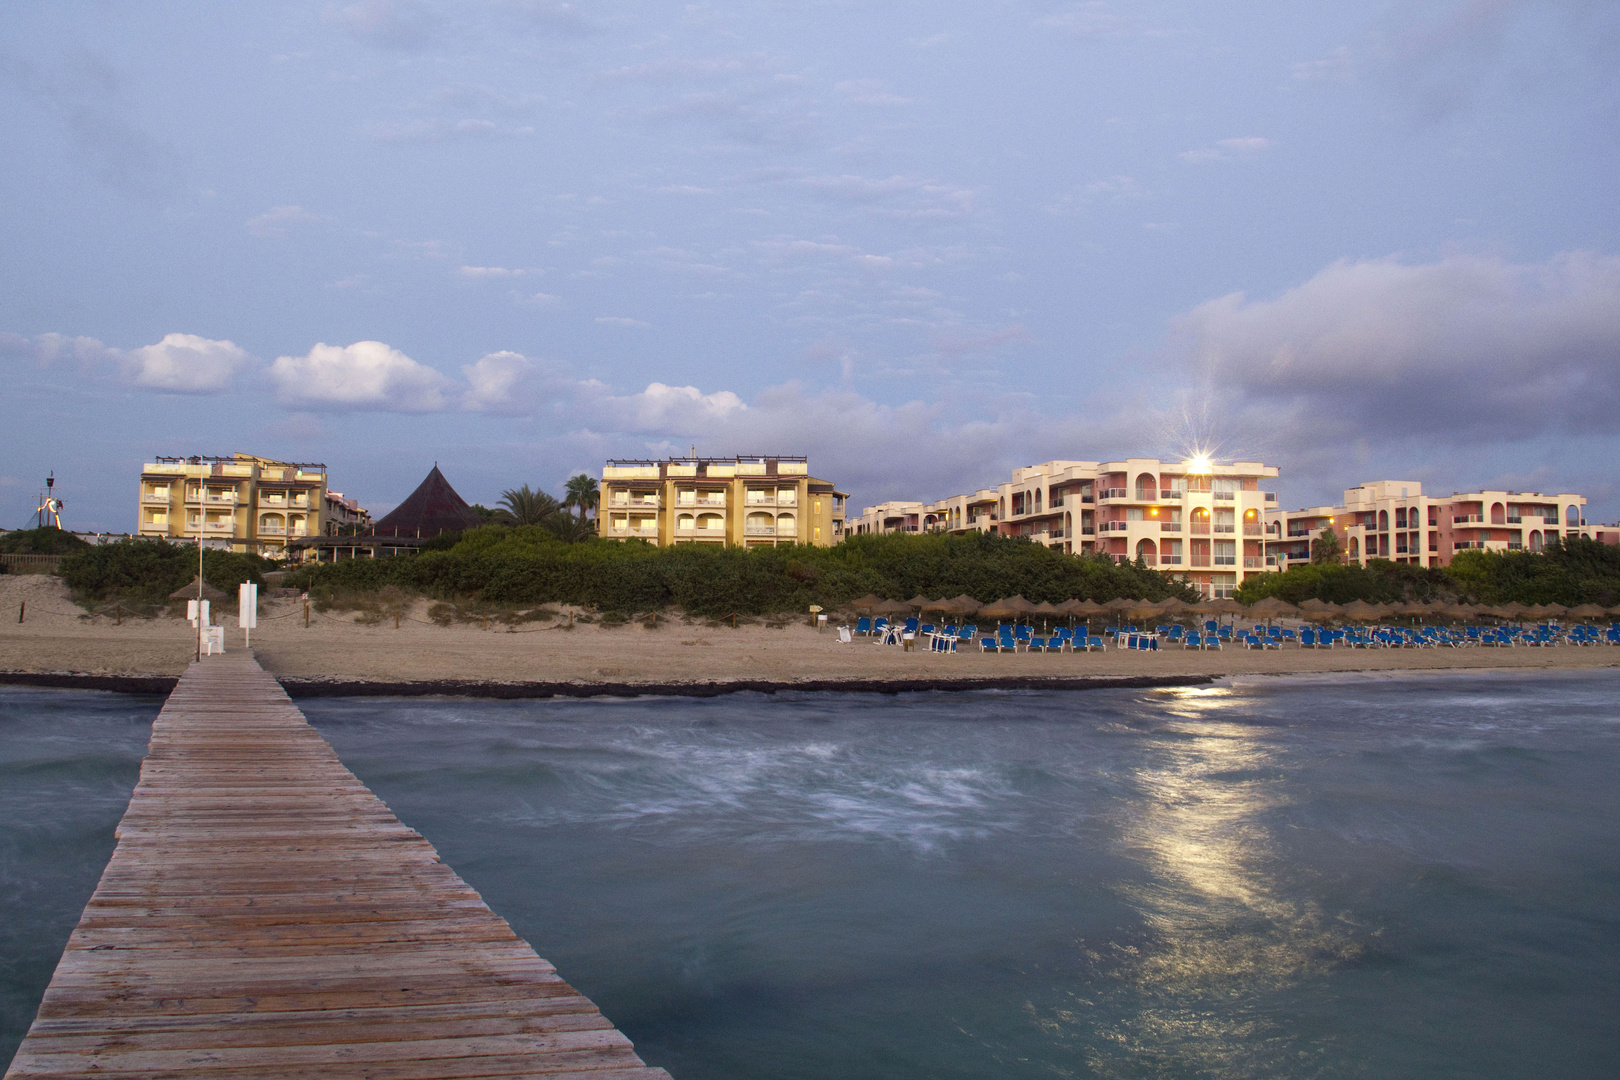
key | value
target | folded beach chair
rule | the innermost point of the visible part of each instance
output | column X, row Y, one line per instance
column 844, row 636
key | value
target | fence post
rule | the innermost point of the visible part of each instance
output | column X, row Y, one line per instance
column 22, row 609
column 306, row 614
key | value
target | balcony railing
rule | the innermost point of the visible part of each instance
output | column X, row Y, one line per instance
column 1228, row 496
column 1086, row 499
column 1115, row 493
column 1252, row 562
column 1223, row 527
column 643, row 502
column 1299, row 554
column 1146, row 494
column 1226, row 560
column 1515, row 519
column 713, row 500
column 1170, row 495
column 1169, row 526
column 760, row 530
column 1271, row 496
column 1170, row 560
column 1199, row 528
column 164, row 499
column 1200, row 560
column 1468, row 519
column 1113, row 526
column 1251, row 530
column 1087, row 530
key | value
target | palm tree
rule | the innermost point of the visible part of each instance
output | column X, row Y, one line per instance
column 525, row 507
column 583, row 493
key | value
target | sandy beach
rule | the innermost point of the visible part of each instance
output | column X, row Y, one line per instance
column 56, row 636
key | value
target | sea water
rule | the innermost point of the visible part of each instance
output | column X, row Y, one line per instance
column 1346, row 876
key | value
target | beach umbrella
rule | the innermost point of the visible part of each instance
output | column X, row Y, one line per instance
column 1549, row 611
column 1361, row 611
column 998, row 609
column 918, row 602
column 1587, row 611
column 890, row 607
column 209, row 593
column 867, row 602
column 944, row 606
column 1080, row 609
column 1046, row 609
column 1173, row 605
column 1272, row 607
column 1019, row 604
column 1320, row 610
column 964, row 605
column 1459, row 612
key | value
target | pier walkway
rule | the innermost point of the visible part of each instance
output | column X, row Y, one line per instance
column 265, row 915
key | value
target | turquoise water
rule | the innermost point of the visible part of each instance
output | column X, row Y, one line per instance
column 1340, row 877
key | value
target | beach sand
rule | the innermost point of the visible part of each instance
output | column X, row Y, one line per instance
column 57, row 637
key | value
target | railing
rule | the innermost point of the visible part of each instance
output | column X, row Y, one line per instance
column 1170, row 560
column 1170, row 495
column 1199, row 528
column 1252, row 562
column 30, row 564
column 1087, row 530
column 645, row 502
column 1169, row 526
column 1468, row 519
column 1057, row 534
column 1271, row 496
column 1200, row 560
column 1147, row 560
column 1113, row 526
column 1224, row 528
column 1299, row 554
column 1251, row 530
column 264, row 530
column 1226, row 495
column 164, row 499
column 1516, row 519
column 709, row 501
column 1300, row 533
column 1114, row 493
column 1271, row 560
column 1086, row 499
column 760, row 530
column 1514, row 545
column 1463, row 545
column 1146, row 494
column 1226, row 560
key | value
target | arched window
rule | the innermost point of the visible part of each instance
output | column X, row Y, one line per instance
column 1400, row 517
column 1354, row 548
column 1147, row 486
column 1383, row 521
column 1147, row 551
column 686, row 521
column 1535, row 539
column 1498, row 514
column 1572, row 515
column 787, row 525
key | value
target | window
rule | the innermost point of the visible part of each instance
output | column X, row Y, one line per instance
column 1400, row 517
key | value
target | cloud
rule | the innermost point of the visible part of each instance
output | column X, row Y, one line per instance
column 1227, row 149
column 365, row 375
column 1336, row 66
column 509, row 383
column 439, row 129
column 1116, row 189
column 955, row 345
column 620, row 320
column 893, row 196
column 390, row 24
column 180, row 363
column 1088, row 20
column 186, row 364
column 489, row 273
column 278, row 221
column 869, row 92
column 1466, row 350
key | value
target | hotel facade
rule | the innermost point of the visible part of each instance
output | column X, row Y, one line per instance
column 1394, row 519
column 738, row 502
column 241, row 503
column 1201, row 521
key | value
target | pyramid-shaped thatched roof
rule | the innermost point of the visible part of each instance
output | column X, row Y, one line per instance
column 433, row 508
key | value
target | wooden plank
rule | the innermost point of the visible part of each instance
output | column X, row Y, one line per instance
column 265, row 915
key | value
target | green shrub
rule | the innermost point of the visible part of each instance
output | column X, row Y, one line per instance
column 529, row 565
column 147, row 571
column 46, row 541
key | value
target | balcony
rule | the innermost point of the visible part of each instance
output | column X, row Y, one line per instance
column 760, row 530
column 159, row 499
column 1086, row 499
column 1296, row 532
column 1200, row 560
column 1114, row 493
column 1087, row 530
column 1252, row 562
column 640, row 502
column 1170, row 526
column 1170, row 560
column 1515, row 519
column 1251, row 530
column 1113, row 526
column 1226, row 560
column 1226, row 496
column 1223, row 527
column 264, row 530
column 703, row 500
column 1468, row 519
column 1199, row 528
column 1147, row 494
column 1170, row 495
column 1299, row 555
column 1271, row 496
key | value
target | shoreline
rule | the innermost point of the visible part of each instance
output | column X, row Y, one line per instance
column 516, row 691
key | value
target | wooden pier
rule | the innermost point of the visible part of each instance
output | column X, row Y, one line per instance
column 265, row 915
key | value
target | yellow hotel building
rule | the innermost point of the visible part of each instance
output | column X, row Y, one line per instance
column 241, row 503
column 741, row 502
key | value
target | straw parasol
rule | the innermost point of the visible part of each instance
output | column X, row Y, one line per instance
column 999, row 609
column 1272, row 607
column 1142, row 609
column 1047, row 611
column 1221, row 605
column 1019, row 604
column 944, row 606
column 209, row 593
column 1547, row 611
column 890, row 607
column 1586, row 611
column 918, row 602
column 1120, row 604
column 867, row 602
column 1361, row 611
column 1080, row 607
column 1320, row 610
column 1459, row 612
column 964, row 604
column 1173, row 605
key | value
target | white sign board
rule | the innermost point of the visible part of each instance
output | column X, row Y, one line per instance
column 191, row 611
column 247, row 606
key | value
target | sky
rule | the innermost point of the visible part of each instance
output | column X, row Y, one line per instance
column 922, row 243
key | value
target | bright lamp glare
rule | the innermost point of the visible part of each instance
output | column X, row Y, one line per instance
column 1199, row 464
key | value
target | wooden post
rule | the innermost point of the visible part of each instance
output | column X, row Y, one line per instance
column 486, row 622
column 22, row 609
column 306, row 613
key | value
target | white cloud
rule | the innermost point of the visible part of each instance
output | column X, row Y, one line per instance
column 1227, row 149
column 489, row 273
column 869, row 92
column 365, row 375
column 185, row 363
column 1336, row 66
column 278, row 221
column 620, row 320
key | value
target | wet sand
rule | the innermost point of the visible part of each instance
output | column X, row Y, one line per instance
column 345, row 656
